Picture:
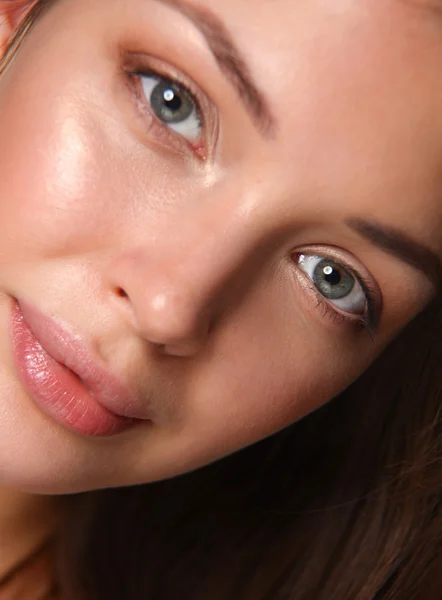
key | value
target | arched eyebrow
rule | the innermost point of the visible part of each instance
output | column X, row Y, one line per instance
column 400, row 245
column 230, row 61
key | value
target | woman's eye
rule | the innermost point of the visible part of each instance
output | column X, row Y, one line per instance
column 174, row 105
column 335, row 283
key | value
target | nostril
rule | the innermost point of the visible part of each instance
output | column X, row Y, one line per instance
column 121, row 293
column 174, row 323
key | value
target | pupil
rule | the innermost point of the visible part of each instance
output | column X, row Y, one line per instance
column 172, row 100
column 332, row 280
column 332, row 276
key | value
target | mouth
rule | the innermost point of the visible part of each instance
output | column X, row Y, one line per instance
column 61, row 376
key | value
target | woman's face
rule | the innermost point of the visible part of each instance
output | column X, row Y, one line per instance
column 216, row 213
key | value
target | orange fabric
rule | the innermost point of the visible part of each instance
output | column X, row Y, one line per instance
column 14, row 10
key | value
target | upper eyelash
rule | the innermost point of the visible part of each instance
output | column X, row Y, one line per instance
column 369, row 292
column 175, row 80
column 369, row 319
column 137, row 65
column 370, row 316
column 196, row 148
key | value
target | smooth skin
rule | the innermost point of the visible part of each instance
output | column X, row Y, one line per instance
column 179, row 262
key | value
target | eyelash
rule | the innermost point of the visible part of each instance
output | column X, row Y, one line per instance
column 138, row 66
column 366, row 321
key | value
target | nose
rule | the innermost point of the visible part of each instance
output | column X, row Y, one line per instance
column 167, row 313
column 176, row 285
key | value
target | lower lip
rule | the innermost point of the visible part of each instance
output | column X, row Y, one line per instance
column 58, row 392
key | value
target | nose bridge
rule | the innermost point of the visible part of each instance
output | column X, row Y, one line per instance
column 177, row 281
column 221, row 242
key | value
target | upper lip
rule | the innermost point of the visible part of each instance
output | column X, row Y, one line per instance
column 69, row 349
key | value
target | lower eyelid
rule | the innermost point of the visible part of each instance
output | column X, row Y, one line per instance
column 321, row 308
column 336, row 316
column 371, row 289
column 330, row 310
column 164, row 135
column 133, row 66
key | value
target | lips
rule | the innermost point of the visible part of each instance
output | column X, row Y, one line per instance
column 62, row 377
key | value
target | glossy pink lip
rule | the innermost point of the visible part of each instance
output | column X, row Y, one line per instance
column 64, row 380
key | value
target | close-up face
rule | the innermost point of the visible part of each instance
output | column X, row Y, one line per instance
column 215, row 215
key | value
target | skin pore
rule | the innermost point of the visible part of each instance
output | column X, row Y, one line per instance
column 183, row 257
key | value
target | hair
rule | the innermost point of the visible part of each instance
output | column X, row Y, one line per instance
column 343, row 505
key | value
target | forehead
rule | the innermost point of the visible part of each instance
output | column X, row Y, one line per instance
column 355, row 87
column 284, row 36
column 356, row 90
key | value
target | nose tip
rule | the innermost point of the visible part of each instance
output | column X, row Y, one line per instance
column 174, row 322
column 176, row 287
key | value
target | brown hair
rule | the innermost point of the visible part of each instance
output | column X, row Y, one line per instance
column 343, row 505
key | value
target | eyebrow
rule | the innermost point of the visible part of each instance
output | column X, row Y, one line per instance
column 400, row 245
column 231, row 63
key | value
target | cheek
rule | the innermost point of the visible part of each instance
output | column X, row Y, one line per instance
column 273, row 366
column 64, row 180
column 47, row 171
column 74, row 177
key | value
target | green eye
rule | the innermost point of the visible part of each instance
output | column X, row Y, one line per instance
column 335, row 282
column 171, row 103
column 174, row 105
